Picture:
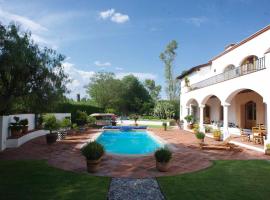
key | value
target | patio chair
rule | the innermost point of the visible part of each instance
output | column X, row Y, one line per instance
column 257, row 135
column 245, row 135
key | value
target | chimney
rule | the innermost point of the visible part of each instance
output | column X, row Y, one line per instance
column 78, row 97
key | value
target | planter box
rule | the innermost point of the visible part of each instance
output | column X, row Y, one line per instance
column 12, row 143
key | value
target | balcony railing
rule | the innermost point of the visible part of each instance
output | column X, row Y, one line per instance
column 233, row 73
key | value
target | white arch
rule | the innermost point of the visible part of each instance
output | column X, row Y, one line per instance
column 235, row 92
column 206, row 98
column 241, row 62
column 190, row 101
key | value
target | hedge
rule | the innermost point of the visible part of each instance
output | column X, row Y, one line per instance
column 74, row 107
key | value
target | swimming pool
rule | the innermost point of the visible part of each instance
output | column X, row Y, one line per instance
column 128, row 142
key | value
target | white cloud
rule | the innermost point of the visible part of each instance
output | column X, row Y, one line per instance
column 114, row 16
column 79, row 79
column 107, row 13
column 119, row 68
column 38, row 31
column 139, row 75
column 102, row 64
column 196, row 21
column 119, row 18
column 26, row 22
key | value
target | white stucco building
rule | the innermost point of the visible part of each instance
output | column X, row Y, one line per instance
column 233, row 88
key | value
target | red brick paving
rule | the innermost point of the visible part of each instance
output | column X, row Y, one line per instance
column 187, row 157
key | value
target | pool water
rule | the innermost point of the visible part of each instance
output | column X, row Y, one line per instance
column 128, row 142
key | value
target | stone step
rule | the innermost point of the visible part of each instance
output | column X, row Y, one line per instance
column 134, row 189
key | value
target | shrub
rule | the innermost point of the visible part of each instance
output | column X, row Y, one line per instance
column 163, row 155
column 91, row 120
column 50, row 123
column 73, row 107
column 66, row 123
column 15, row 126
column 92, row 151
column 268, row 146
column 110, row 110
column 196, row 128
column 200, row 135
column 189, row 118
column 75, row 127
column 24, row 122
column 217, row 133
column 81, row 117
column 164, row 124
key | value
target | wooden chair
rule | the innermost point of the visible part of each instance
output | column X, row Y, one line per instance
column 245, row 136
column 257, row 135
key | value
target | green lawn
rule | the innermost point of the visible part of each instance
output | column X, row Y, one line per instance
column 239, row 180
column 36, row 180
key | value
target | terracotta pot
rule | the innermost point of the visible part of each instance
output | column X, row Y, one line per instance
column 200, row 141
column 162, row 166
column 93, row 165
column 267, row 151
column 217, row 138
column 190, row 126
column 16, row 133
column 51, row 138
column 24, row 129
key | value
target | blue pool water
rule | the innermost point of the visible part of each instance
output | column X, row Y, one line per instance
column 128, row 142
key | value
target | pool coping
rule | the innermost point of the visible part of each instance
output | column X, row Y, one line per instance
column 151, row 134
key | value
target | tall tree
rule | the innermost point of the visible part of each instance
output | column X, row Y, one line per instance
column 153, row 89
column 136, row 98
column 31, row 78
column 105, row 90
column 168, row 57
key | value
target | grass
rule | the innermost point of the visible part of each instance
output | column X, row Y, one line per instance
column 36, row 180
column 230, row 180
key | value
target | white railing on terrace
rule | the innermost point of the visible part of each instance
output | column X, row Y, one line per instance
column 236, row 72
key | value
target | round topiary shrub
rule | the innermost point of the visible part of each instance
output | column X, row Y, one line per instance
column 200, row 135
column 93, row 151
column 163, row 155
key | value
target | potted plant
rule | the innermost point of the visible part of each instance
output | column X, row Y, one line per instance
column 189, row 119
column 51, row 124
column 81, row 118
column 24, row 124
column 163, row 157
column 217, row 134
column 135, row 117
column 93, row 152
column 164, row 124
column 196, row 128
column 15, row 127
column 267, row 150
column 65, row 125
column 200, row 136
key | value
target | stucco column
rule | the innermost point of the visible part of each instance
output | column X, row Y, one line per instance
column 201, row 118
column 267, row 110
column 185, row 113
column 3, row 132
column 226, row 133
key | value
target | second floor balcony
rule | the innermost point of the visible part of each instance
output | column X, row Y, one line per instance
column 242, row 70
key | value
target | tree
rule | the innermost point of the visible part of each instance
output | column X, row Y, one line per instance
column 31, row 78
column 105, row 90
column 135, row 98
column 168, row 57
column 124, row 96
column 152, row 88
column 164, row 109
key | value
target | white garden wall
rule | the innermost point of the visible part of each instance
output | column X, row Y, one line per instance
column 5, row 132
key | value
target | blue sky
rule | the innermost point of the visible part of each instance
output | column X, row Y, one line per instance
column 127, row 36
